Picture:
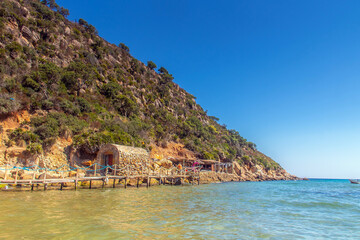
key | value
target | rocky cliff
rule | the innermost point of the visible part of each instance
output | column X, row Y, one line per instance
column 65, row 91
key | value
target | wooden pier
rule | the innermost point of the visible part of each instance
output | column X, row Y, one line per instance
column 108, row 177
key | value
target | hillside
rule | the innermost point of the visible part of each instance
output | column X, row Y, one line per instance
column 66, row 91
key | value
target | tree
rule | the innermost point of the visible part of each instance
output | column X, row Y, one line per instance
column 151, row 65
column 83, row 22
column 64, row 12
column 45, row 2
column 124, row 47
column 52, row 4
column 163, row 70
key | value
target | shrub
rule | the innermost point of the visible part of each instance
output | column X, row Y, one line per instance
column 29, row 82
column 84, row 105
column 110, row 90
column 69, row 107
column 124, row 47
column 151, row 65
column 125, row 105
column 8, row 104
column 47, row 104
column 34, row 148
column 14, row 47
column 70, row 81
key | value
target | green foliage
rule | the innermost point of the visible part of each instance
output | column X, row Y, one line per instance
column 151, row 65
column 29, row 82
column 13, row 47
column 69, row 107
column 70, row 80
column 34, row 148
column 125, row 105
column 111, row 89
column 83, row 105
column 89, row 28
column 163, row 70
column 251, row 145
column 8, row 104
column 166, row 77
column 64, row 12
column 124, row 47
column 47, row 73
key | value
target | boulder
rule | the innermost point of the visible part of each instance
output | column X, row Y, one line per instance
column 28, row 34
column 165, row 163
column 67, row 31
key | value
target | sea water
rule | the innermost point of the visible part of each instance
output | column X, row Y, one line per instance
column 315, row 209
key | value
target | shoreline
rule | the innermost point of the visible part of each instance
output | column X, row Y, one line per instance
column 73, row 184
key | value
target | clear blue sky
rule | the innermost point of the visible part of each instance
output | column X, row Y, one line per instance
column 285, row 74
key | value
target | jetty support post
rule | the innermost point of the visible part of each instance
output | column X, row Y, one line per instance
column 76, row 179
column 6, row 171
column 114, row 177
column 33, row 178
column 16, row 176
column 45, row 185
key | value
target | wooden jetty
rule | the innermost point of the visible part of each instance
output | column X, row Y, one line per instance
column 107, row 176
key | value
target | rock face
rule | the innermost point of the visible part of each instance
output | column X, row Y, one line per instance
column 254, row 172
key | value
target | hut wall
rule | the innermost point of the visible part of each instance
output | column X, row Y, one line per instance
column 124, row 157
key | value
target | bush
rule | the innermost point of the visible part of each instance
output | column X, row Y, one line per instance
column 30, row 83
column 34, row 148
column 47, row 104
column 70, row 81
column 110, row 90
column 8, row 104
column 124, row 47
column 14, row 47
column 125, row 106
column 84, row 105
column 69, row 107
column 151, row 65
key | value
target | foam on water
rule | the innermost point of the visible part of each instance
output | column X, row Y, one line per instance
column 315, row 209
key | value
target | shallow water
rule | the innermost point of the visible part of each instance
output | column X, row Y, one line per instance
column 315, row 209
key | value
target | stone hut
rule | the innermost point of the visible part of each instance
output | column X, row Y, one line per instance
column 210, row 165
column 113, row 154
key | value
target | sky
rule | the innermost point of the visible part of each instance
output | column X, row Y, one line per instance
column 283, row 73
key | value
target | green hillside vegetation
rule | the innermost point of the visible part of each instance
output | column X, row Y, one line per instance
column 80, row 86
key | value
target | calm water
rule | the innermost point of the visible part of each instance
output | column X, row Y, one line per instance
column 316, row 209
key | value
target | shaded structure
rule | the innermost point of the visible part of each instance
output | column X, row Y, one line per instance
column 210, row 165
column 120, row 155
column 186, row 162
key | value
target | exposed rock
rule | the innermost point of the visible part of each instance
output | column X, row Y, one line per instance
column 67, row 31
column 165, row 163
column 76, row 44
column 27, row 33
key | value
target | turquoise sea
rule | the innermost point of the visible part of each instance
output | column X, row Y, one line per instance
column 315, row 209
